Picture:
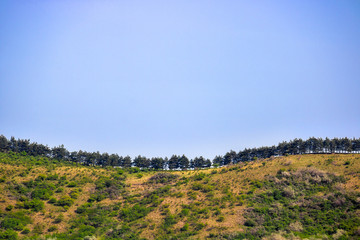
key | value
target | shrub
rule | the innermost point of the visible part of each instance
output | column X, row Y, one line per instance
column 35, row 205
column 38, row 228
column 202, row 187
column 220, row 219
column 249, row 223
column 83, row 208
column 72, row 184
column 65, row 201
column 133, row 170
column 163, row 178
column 169, row 221
column 59, row 219
column 185, row 227
column 9, row 207
column 184, row 212
column 41, row 193
column 12, row 223
column 135, row 212
column 40, row 178
column 52, row 228
column 52, row 200
column 199, row 176
column 8, row 234
column 52, row 177
column 25, row 231
column 74, row 194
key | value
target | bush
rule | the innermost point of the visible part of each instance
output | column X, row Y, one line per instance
column 220, row 219
column 65, row 201
column 202, row 187
column 52, row 200
column 163, row 178
column 72, row 184
column 184, row 212
column 12, row 223
column 9, row 207
column 74, row 194
column 249, row 223
column 52, row 177
column 40, row 178
column 38, row 228
column 169, row 221
column 9, row 234
column 135, row 212
column 185, row 227
column 133, row 170
column 52, row 228
column 35, row 205
column 59, row 219
column 25, row 231
column 199, row 176
column 83, row 208
column 41, row 193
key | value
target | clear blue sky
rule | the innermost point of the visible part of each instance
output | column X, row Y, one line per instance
column 158, row 78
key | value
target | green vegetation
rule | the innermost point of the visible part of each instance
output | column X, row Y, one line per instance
column 294, row 197
column 303, row 203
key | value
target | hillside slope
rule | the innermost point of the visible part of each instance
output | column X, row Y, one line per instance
column 300, row 196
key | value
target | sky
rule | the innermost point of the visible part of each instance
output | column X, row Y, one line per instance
column 157, row 78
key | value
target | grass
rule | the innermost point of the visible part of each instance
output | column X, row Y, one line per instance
column 112, row 203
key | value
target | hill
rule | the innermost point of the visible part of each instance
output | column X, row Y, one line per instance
column 290, row 197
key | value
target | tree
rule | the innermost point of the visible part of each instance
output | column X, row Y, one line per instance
column 326, row 145
column 218, row 161
column 207, row 163
column 13, row 145
column 4, row 144
column 141, row 162
column 199, row 162
column 126, row 162
column 23, row 145
column 173, row 162
column 114, row 160
column 157, row 163
column 346, row 143
column 104, row 160
column 229, row 157
column 184, row 162
column 74, row 157
column 59, row 152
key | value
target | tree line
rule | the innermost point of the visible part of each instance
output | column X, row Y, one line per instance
column 297, row 146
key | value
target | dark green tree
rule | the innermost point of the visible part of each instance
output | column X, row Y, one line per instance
column 218, row 161
column 157, row 163
column 173, row 162
column 184, row 162
column 4, row 144
column 141, row 162
column 126, row 162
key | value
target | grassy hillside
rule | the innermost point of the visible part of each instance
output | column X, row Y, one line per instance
column 294, row 197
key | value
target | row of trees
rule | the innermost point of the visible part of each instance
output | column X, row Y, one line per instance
column 296, row 146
